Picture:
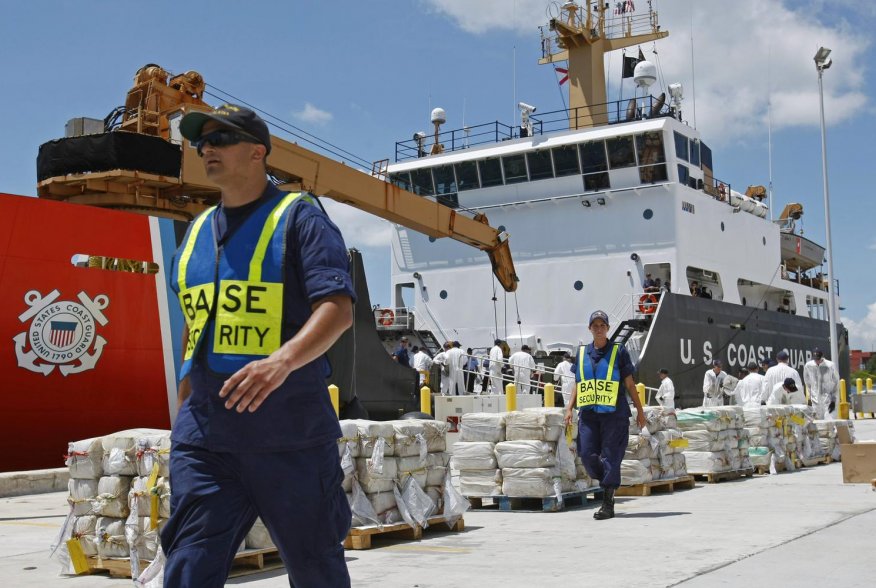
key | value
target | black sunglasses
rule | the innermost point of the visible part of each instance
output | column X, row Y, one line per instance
column 222, row 138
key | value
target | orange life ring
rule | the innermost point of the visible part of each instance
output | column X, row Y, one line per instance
column 722, row 191
column 647, row 304
column 387, row 317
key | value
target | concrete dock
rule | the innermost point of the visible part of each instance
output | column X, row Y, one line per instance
column 792, row 529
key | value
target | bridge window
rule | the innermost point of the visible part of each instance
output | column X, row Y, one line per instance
column 683, row 174
column 421, row 181
column 467, row 175
column 695, row 153
column 598, row 181
column 491, row 172
column 540, row 167
column 681, row 146
column 593, row 157
column 445, row 182
column 620, row 152
column 566, row 160
column 402, row 180
column 515, row 168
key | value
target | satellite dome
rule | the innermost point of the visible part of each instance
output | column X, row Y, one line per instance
column 439, row 116
column 645, row 74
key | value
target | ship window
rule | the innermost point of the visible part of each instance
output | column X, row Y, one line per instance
column 578, row 285
column 683, row 174
column 681, row 146
column 467, row 175
column 593, row 157
column 515, row 168
column 648, row 174
column 648, row 214
column 597, row 181
column 402, row 180
column 695, row 153
column 650, row 148
column 451, row 200
column 445, row 182
column 443, row 294
column 566, row 161
column 421, row 180
column 706, row 156
column 491, row 172
column 620, row 152
column 540, row 164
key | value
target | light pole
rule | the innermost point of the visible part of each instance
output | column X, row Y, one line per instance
column 822, row 62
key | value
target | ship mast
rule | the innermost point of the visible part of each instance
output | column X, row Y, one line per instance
column 583, row 40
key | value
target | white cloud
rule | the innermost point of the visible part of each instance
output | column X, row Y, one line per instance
column 743, row 50
column 312, row 114
column 360, row 229
column 872, row 246
column 862, row 334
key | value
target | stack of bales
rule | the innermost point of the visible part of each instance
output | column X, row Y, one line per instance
column 654, row 454
column 474, row 454
column 827, row 435
column 535, row 458
column 390, row 453
column 713, row 436
column 766, row 430
column 805, row 433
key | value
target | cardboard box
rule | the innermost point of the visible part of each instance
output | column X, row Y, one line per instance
column 859, row 458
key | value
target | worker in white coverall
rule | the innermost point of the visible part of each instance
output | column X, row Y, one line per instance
column 822, row 380
column 786, row 392
column 441, row 359
column 752, row 391
column 455, row 370
column 565, row 378
column 779, row 372
column 713, row 381
column 523, row 364
column 666, row 392
column 497, row 360
column 421, row 362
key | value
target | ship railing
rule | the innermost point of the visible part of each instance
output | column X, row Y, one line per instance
column 617, row 111
column 393, row 319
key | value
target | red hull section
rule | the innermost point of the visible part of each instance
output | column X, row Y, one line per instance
column 81, row 350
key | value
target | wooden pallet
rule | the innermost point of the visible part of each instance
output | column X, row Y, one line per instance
column 529, row 504
column 646, row 488
column 248, row 561
column 713, row 477
column 815, row 461
column 360, row 537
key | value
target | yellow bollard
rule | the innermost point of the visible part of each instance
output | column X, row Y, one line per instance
column 425, row 400
column 640, row 388
column 510, row 398
column 843, row 410
column 859, row 383
column 334, row 393
column 548, row 395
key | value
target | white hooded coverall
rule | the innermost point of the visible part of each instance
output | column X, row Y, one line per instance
column 822, row 380
column 523, row 364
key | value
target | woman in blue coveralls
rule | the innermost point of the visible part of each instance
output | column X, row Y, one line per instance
column 602, row 371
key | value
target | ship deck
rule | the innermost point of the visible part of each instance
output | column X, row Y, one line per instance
column 790, row 529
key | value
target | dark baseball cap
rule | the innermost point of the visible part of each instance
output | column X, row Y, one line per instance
column 598, row 314
column 716, row 363
column 233, row 116
column 782, row 355
column 790, row 384
column 817, row 352
column 663, row 371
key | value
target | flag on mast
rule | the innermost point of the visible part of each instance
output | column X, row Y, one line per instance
column 563, row 72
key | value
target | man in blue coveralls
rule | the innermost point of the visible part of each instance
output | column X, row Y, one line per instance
column 263, row 280
column 603, row 409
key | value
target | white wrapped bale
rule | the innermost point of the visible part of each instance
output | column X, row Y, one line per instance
column 81, row 494
column 153, row 449
column 530, row 482
column 120, row 450
column 638, row 447
column 370, row 435
column 474, row 455
column 482, row 426
column 654, row 418
column 707, row 462
column 480, row 482
column 377, row 481
column 112, row 497
column 582, row 476
column 526, row 454
column 142, row 537
column 700, row 418
column 84, row 529
column 85, row 459
column 436, row 495
column 111, row 539
column 635, row 471
column 349, row 440
column 541, row 424
column 410, row 439
column 436, row 468
column 259, row 537
column 436, row 435
column 143, row 496
column 384, row 504
column 412, row 467
column 704, row 440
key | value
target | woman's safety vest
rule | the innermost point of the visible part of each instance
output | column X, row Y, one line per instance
column 598, row 390
column 232, row 296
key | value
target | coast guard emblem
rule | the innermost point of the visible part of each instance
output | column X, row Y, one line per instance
column 61, row 333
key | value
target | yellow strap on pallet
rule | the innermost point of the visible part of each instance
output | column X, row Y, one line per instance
column 798, row 419
column 77, row 556
column 679, row 443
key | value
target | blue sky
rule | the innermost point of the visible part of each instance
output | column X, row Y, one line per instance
column 364, row 75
